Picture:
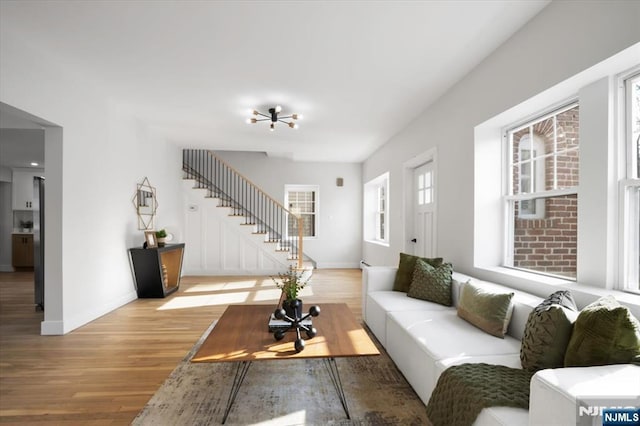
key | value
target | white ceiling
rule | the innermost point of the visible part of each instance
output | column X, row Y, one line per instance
column 21, row 139
column 20, row 147
column 359, row 71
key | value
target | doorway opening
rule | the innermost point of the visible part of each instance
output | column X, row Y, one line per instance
column 21, row 218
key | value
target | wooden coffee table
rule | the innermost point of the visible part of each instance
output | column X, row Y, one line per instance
column 241, row 335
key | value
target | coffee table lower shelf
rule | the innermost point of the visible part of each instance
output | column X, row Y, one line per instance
column 243, row 367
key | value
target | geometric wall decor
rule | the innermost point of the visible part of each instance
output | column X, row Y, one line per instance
column 146, row 204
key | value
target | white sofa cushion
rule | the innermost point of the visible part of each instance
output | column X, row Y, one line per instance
column 379, row 303
column 378, row 278
column 554, row 392
column 391, row 301
column 416, row 340
column 444, row 335
column 502, row 416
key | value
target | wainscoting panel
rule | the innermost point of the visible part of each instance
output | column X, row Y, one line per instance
column 218, row 244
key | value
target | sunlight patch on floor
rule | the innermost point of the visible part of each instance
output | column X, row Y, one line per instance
column 266, row 283
column 185, row 302
column 264, row 295
column 227, row 285
column 297, row 418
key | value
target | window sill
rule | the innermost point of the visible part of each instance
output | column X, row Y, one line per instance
column 542, row 286
column 378, row 243
column 529, row 276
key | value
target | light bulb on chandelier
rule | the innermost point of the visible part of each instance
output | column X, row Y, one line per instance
column 273, row 117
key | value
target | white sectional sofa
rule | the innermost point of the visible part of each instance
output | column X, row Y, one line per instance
column 425, row 338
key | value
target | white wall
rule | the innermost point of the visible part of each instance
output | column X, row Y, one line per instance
column 564, row 39
column 93, row 163
column 5, row 174
column 338, row 244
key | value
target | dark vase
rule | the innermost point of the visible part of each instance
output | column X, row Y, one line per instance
column 293, row 308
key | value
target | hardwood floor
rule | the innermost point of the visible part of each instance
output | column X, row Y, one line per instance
column 105, row 372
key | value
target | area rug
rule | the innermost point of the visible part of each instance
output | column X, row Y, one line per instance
column 285, row 392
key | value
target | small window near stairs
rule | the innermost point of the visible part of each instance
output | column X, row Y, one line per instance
column 302, row 200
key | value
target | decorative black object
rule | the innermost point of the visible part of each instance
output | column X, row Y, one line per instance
column 295, row 322
column 292, row 308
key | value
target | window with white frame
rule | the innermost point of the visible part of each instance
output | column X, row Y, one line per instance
column 381, row 217
column 542, row 193
column 302, row 200
column 630, row 187
column 376, row 204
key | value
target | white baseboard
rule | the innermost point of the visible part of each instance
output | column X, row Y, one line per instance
column 6, row 268
column 66, row 326
column 346, row 265
column 257, row 272
column 51, row 328
column 230, row 272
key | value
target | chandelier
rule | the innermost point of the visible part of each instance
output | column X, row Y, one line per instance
column 273, row 117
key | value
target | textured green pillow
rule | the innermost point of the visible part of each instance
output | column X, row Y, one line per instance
column 604, row 333
column 486, row 310
column 548, row 331
column 407, row 264
column 432, row 284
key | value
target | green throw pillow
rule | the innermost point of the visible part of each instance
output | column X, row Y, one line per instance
column 486, row 310
column 604, row 333
column 407, row 264
column 548, row 331
column 432, row 284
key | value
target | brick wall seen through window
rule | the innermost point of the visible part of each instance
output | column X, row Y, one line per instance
column 545, row 227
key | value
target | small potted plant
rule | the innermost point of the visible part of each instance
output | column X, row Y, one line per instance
column 291, row 283
column 161, row 236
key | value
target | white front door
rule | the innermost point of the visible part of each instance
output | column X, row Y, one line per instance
column 424, row 208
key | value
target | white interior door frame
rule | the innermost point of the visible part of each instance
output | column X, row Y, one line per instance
column 408, row 168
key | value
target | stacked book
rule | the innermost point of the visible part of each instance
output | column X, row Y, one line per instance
column 276, row 324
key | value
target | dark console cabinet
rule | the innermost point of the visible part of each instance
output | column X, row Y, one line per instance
column 157, row 271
